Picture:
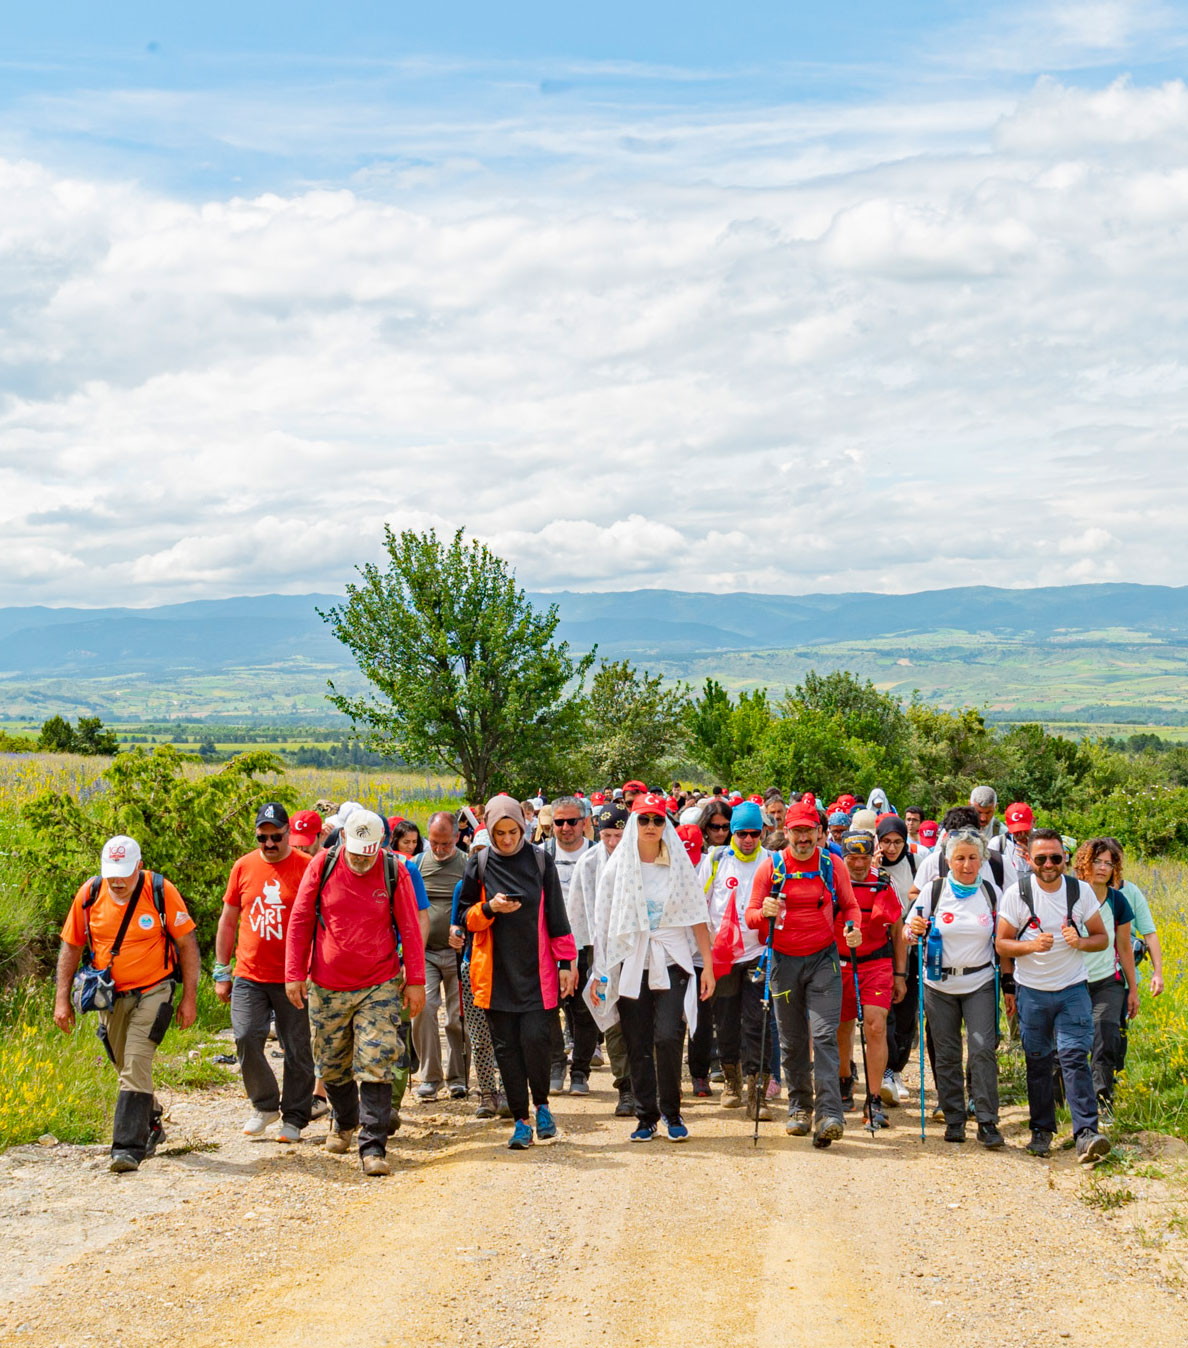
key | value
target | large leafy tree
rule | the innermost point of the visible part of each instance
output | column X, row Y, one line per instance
column 465, row 674
column 634, row 726
column 722, row 733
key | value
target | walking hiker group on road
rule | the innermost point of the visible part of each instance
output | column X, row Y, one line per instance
column 691, row 939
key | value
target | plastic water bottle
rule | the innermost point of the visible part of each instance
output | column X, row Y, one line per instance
column 934, row 953
column 602, row 990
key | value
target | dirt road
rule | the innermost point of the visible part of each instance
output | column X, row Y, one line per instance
column 590, row 1241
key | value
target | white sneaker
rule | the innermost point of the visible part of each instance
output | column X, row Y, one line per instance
column 900, row 1088
column 887, row 1092
column 258, row 1122
column 288, row 1132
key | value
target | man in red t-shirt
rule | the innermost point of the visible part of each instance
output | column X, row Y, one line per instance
column 255, row 918
column 805, row 975
column 358, row 948
column 883, row 950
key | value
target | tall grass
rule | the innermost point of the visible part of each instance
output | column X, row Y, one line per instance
column 1152, row 1092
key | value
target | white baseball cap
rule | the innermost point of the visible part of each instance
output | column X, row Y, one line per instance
column 120, row 857
column 363, row 833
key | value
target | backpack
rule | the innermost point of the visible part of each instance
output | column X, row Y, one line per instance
column 877, row 881
column 391, row 879
column 1072, row 892
column 824, row 873
column 994, row 859
column 94, row 989
column 988, row 889
column 539, row 853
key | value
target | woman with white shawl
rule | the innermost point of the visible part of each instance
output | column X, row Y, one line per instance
column 649, row 917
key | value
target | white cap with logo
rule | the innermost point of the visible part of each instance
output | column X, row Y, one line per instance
column 120, row 857
column 363, row 833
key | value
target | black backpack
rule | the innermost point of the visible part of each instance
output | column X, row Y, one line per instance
column 1072, row 892
column 158, row 891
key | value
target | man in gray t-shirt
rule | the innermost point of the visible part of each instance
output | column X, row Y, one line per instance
column 441, row 867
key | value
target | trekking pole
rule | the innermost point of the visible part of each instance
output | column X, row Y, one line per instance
column 861, row 1032
column 767, row 959
column 920, row 990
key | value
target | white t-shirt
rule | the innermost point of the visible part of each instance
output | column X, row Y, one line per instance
column 735, row 877
column 967, row 931
column 929, row 869
column 566, row 861
column 1062, row 966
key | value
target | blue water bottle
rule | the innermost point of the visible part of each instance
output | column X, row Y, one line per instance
column 934, row 953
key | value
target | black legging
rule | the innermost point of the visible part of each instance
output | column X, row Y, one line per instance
column 521, row 1043
column 653, row 1026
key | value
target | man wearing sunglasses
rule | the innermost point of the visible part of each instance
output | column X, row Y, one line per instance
column 1046, row 924
column 567, row 846
column 254, row 923
column 738, row 999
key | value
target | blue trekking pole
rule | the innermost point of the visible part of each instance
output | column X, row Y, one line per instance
column 767, row 959
column 920, row 981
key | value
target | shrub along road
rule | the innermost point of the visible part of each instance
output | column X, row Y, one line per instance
column 590, row 1241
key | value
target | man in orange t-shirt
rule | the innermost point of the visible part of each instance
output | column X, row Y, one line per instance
column 147, row 949
column 259, row 898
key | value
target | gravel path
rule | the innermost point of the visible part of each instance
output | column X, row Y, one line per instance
column 590, row 1241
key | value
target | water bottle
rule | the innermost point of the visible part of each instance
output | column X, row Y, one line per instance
column 934, row 953
column 601, row 992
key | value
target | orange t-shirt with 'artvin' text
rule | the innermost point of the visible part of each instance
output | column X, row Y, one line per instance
column 142, row 959
column 264, row 892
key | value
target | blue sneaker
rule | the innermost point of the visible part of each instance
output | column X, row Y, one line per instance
column 521, row 1138
column 677, row 1132
column 644, row 1133
column 546, row 1125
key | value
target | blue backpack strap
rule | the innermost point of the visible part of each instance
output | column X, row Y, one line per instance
column 779, row 872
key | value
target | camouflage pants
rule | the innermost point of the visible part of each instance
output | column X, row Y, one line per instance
column 357, row 1034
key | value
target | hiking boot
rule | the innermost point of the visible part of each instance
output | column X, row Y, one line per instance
column 155, row 1138
column 288, row 1132
column 122, row 1162
column 546, row 1125
column 677, row 1132
column 1092, row 1147
column 579, row 1084
column 488, row 1106
column 847, row 1093
column 338, row 1143
column 1041, row 1142
column 829, row 1131
column 375, row 1164
column 887, row 1092
column 732, row 1088
column 625, row 1109
column 799, row 1124
column 521, row 1138
column 557, row 1080
column 259, row 1121
column 874, row 1115
column 701, row 1089
column 955, row 1132
column 428, row 1090
column 755, row 1101
column 319, row 1109
column 990, row 1137
column 504, row 1108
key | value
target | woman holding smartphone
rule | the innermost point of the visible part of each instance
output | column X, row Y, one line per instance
column 522, row 960
column 650, row 917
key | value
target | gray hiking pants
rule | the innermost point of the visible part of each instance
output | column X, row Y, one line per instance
column 946, row 1012
column 807, row 996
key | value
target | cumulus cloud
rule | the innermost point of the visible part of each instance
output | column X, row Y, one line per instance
column 896, row 347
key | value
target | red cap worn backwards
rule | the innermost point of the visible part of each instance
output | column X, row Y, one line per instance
column 635, row 786
column 690, row 835
column 928, row 830
column 803, row 813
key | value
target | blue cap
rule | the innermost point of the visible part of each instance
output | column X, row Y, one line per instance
column 746, row 815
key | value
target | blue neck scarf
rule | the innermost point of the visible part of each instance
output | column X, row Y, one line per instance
column 964, row 891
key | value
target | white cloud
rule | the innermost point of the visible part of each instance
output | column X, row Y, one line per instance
column 956, row 357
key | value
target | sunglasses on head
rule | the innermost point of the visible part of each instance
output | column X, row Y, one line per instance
column 747, row 832
column 651, row 821
column 1047, row 858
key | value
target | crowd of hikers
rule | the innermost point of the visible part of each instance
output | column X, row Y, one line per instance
column 688, row 939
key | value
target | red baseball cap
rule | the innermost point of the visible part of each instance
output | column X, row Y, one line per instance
column 755, row 800
column 672, row 804
column 305, row 828
column 598, row 798
column 1019, row 818
column 690, row 835
column 651, row 802
column 803, row 813
column 929, row 829
column 635, row 786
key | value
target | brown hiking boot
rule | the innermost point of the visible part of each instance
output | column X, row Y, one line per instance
column 732, row 1087
column 375, row 1165
column 339, row 1143
column 755, row 1099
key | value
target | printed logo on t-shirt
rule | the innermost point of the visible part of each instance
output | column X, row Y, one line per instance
column 266, row 916
column 732, row 882
column 985, row 919
column 946, row 917
column 146, row 921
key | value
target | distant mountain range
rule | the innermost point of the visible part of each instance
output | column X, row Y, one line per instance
column 74, row 659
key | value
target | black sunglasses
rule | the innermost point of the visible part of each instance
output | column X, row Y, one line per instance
column 718, row 824
column 651, row 820
column 566, row 823
column 747, row 832
column 271, row 837
column 1048, row 858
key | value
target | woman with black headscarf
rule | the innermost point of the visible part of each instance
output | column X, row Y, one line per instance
column 511, row 900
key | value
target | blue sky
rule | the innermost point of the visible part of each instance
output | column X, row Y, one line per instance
column 593, row 285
